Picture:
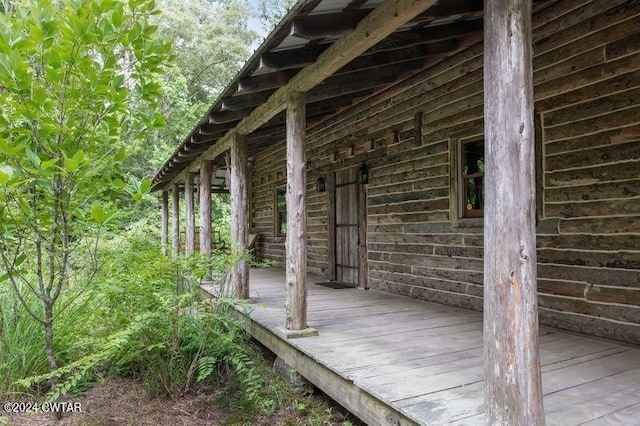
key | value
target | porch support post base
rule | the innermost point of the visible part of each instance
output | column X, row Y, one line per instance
column 295, row 334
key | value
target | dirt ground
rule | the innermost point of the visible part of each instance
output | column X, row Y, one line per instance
column 124, row 402
column 120, row 402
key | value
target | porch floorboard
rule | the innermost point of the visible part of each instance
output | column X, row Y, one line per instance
column 396, row 360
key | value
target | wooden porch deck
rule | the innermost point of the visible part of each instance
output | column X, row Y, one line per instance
column 393, row 360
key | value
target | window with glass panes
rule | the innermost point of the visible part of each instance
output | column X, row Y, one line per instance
column 472, row 182
column 281, row 211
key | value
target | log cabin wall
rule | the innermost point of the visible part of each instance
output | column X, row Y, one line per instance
column 587, row 90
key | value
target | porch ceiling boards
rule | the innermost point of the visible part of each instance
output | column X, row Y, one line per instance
column 297, row 43
column 391, row 359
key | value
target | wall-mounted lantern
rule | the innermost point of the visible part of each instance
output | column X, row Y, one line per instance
column 363, row 174
column 320, row 184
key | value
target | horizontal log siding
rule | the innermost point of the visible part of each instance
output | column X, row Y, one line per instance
column 587, row 88
column 589, row 268
column 269, row 173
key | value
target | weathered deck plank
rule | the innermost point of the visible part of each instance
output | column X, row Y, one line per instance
column 384, row 355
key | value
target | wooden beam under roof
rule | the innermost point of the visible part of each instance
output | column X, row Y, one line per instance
column 296, row 58
column 204, row 138
column 452, row 8
column 376, row 26
column 291, row 58
column 259, row 83
column 345, row 84
column 238, row 102
column 275, row 132
column 313, row 27
column 277, row 79
column 399, row 56
column 215, row 129
column 403, row 39
column 224, row 117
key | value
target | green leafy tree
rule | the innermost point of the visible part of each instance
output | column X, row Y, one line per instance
column 271, row 12
column 79, row 86
column 211, row 40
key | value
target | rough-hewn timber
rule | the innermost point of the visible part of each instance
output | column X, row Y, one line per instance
column 239, row 201
column 586, row 82
column 164, row 237
column 189, row 217
column 393, row 360
column 175, row 218
column 296, row 262
column 205, row 207
column 513, row 389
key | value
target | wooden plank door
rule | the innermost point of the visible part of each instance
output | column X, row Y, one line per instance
column 346, row 226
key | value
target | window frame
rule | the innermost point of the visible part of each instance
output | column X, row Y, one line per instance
column 457, row 203
column 277, row 224
column 462, row 182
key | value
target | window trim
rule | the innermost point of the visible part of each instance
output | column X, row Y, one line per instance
column 462, row 182
column 457, row 204
column 276, row 212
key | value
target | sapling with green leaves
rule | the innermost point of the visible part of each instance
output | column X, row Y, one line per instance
column 78, row 85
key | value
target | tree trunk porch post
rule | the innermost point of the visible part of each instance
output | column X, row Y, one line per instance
column 164, row 237
column 205, row 208
column 296, row 240
column 513, row 391
column 175, row 217
column 239, row 201
column 190, row 230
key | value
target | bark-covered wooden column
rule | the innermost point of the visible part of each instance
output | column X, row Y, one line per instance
column 205, row 208
column 175, row 217
column 189, row 226
column 239, row 200
column 164, row 237
column 513, row 391
column 296, row 242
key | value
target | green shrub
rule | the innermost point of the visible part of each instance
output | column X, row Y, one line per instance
column 143, row 318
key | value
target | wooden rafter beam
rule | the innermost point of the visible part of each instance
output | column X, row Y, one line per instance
column 377, row 25
column 263, row 82
column 399, row 56
column 412, row 53
column 213, row 151
column 224, row 117
column 404, row 39
column 292, row 58
column 372, row 29
column 204, row 138
column 239, row 102
column 451, row 8
column 313, row 27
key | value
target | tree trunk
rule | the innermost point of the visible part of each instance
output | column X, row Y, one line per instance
column 48, row 338
column 513, row 391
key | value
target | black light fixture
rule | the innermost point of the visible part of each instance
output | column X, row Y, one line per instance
column 320, row 184
column 363, row 174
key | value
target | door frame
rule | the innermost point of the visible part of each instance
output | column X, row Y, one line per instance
column 363, row 265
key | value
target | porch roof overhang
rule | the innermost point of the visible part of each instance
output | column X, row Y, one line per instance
column 339, row 52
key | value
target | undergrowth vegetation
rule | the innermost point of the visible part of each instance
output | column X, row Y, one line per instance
column 134, row 324
column 142, row 318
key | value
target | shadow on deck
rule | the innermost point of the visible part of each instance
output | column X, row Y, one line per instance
column 393, row 360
